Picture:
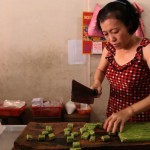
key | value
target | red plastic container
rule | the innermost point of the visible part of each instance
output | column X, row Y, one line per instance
column 47, row 111
column 86, row 111
column 11, row 111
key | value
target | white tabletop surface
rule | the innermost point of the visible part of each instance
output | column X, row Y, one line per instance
column 9, row 135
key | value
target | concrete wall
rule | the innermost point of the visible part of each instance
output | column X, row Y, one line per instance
column 33, row 49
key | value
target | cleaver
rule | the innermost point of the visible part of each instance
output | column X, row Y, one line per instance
column 82, row 94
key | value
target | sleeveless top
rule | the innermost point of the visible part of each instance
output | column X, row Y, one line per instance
column 129, row 83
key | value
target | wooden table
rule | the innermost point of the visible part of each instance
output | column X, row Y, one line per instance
column 75, row 117
column 59, row 143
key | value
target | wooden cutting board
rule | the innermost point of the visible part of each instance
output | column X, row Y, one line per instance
column 60, row 142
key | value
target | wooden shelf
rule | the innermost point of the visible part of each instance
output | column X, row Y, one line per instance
column 5, row 119
column 75, row 117
column 47, row 119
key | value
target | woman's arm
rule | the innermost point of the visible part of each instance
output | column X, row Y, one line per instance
column 119, row 118
column 141, row 106
column 100, row 72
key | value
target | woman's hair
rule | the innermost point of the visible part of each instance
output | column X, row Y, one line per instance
column 122, row 10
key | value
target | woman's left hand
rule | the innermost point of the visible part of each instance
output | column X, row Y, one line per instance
column 117, row 119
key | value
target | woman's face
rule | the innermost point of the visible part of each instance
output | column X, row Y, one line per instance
column 116, row 33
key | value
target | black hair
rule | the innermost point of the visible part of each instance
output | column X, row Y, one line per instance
column 122, row 10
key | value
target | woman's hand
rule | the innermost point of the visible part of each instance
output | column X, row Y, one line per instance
column 98, row 87
column 118, row 119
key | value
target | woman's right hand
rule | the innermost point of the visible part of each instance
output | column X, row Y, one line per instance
column 98, row 87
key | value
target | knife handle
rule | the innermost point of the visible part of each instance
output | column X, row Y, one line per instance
column 95, row 92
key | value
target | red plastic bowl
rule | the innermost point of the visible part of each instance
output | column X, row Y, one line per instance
column 84, row 111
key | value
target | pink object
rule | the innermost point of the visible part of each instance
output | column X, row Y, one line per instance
column 92, row 28
column 140, row 31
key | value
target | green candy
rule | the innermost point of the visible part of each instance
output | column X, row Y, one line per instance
column 45, row 132
column 70, row 139
column 105, row 138
column 92, row 138
column 85, row 135
column 70, row 125
column 76, row 144
column 49, row 129
column 67, row 133
column 41, row 137
column 51, row 136
column 29, row 137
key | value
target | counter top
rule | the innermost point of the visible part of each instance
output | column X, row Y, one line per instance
column 9, row 135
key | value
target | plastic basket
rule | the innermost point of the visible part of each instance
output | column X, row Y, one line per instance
column 11, row 111
column 47, row 111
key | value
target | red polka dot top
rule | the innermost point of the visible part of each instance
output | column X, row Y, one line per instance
column 129, row 83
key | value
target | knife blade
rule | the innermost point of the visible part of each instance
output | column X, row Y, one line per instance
column 82, row 94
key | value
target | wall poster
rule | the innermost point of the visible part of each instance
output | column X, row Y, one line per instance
column 90, row 44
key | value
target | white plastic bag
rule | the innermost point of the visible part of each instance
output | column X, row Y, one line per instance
column 70, row 107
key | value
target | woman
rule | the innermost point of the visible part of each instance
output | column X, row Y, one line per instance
column 126, row 63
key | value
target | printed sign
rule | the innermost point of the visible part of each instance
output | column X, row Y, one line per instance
column 97, row 48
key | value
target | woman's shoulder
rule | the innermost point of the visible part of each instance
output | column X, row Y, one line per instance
column 145, row 42
column 146, row 50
